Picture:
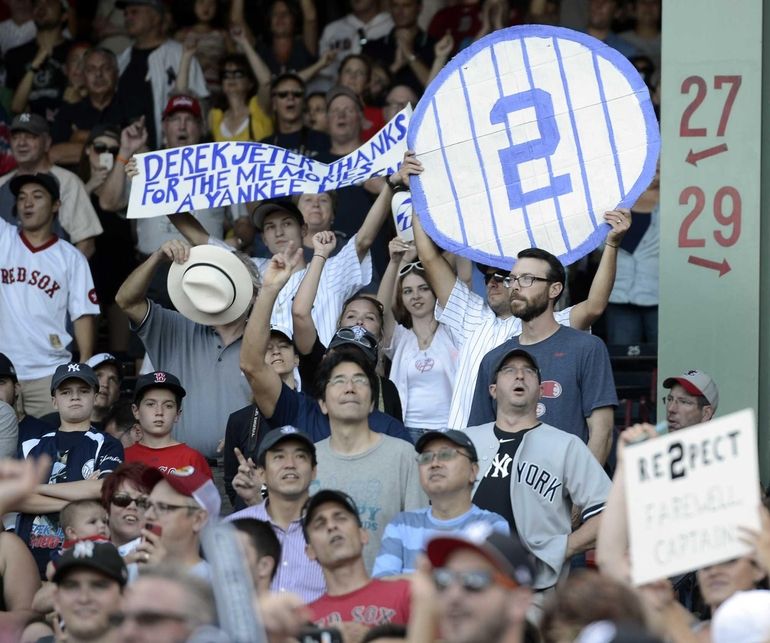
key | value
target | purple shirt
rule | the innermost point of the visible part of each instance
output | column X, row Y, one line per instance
column 296, row 572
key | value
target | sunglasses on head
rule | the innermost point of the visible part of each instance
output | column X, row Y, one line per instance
column 124, row 500
column 350, row 335
column 286, row 93
column 101, row 148
column 407, row 268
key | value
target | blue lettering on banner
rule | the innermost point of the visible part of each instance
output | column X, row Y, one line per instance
column 527, row 137
column 511, row 157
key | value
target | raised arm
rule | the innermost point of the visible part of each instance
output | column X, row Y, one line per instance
column 387, row 291
column 258, row 66
column 380, row 209
column 309, row 26
column 132, row 139
column 188, row 52
column 587, row 312
column 305, row 332
column 190, row 228
column 440, row 275
column 264, row 381
column 132, row 295
column 441, row 51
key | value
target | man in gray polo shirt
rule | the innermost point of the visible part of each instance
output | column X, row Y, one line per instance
column 202, row 348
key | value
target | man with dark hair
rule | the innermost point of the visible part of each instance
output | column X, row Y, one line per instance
column 261, row 549
column 89, row 580
column 483, row 324
column 286, row 465
column 121, row 424
column 578, row 390
column 336, row 539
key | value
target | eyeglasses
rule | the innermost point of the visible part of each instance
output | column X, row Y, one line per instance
column 124, row 500
column 679, row 401
column 233, row 73
column 407, row 268
column 471, row 581
column 146, row 618
column 524, row 281
column 286, row 93
column 344, row 380
column 101, row 148
column 512, row 370
column 443, row 455
column 162, row 508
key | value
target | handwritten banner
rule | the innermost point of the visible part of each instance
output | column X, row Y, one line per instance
column 527, row 137
column 213, row 175
column 688, row 492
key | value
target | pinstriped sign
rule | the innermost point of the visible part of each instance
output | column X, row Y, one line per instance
column 527, row 137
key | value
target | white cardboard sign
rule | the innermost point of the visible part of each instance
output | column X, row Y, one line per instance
column 687, row 493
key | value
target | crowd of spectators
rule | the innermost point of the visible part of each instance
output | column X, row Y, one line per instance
column 400, row 444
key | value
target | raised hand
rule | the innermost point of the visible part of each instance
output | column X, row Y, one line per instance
column 281, row 267
column 324, row 243
column 409, row 167
column 620, row 220
column 176, row 250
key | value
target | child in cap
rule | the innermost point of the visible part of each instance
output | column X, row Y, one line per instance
column 157, row 407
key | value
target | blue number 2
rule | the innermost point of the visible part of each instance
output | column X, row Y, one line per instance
column 543, row 147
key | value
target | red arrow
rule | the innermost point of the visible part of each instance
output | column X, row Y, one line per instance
column 722, row 267
column 694, row 157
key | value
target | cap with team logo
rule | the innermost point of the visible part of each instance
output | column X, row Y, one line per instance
column 32, row 123
column 505, row 552
column 158, row 379
column 696, row 383
column 102, row 557
column 190, row 482
column 182, row 103
column 460, row 438
column 6, row 368
column 283, row 331
column 356, row 336
column 284, row 433
column 74, row 371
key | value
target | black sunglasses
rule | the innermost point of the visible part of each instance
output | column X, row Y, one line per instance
column 124, row 500
column 497, row 276
column 286, row 93
column 101, row 148
column 356, row 337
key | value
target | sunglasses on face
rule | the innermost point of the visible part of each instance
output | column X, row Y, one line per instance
column 407, row 268
column 124, row 500
column 473, row 581
column 101, row 148
column 287, row 93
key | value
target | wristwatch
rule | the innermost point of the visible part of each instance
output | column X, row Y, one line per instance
column 393, row 186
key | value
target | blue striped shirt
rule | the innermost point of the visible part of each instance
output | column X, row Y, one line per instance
column 406, row 535
column 296, row 572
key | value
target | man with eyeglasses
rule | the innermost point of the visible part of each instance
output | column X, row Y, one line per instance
column 578, row 389
column 535, row 474
column 481, row 325
column 335, row 535
column 483, row 583
column 692, row 399
column 180, row 504
column 448, row 470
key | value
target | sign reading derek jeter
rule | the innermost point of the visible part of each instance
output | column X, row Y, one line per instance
column 527, row 137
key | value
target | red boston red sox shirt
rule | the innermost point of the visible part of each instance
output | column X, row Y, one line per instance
column 169, row 458
column 376, row 603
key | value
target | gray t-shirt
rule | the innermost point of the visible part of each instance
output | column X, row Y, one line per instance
column 383, row 481
column 577, row 378
column 209, row 371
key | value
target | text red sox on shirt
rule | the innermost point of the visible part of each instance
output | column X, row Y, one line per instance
column 34, row 278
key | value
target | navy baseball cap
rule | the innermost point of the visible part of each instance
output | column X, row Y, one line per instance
column 74, row 371
column 284, row 433
column 31, row 123
column 158, row 379
column 102, row 557
column 275, row 205
column 44, row 179
column 356, row 336
column 6, row 368
column 322, row 497
column 516, row 352
column 460, row 438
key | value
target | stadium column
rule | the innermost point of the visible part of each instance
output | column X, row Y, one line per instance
column 715, row 256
